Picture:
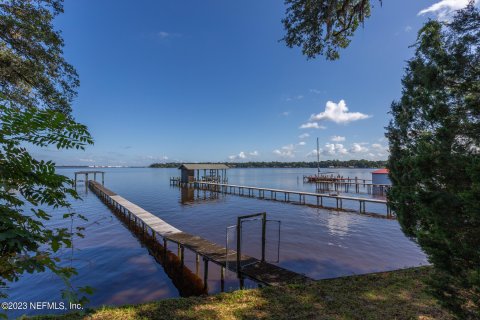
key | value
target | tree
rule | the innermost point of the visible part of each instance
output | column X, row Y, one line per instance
column 434, row 161
column 37, row 88
column 322, row 27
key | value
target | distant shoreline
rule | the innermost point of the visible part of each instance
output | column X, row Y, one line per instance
column 328, row 164
column 332, row 164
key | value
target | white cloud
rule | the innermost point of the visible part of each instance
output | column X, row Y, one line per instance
column 338, row 113
column 299, row 97
column 304, row 135
column 358, row 148
column 316, row 91
column 163, row 34
column 301, row 143
column 337, row 138
column 312, row 153
column 285, row 113
column 380, row 149
column 311, row 125
column 167, row 35
column 287, row 151
column 408, row 29
column 334, row 149
column 444, row 8
column 243, row 155
column 330, row 149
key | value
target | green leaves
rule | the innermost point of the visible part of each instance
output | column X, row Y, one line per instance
column 34, row 72
column 43, row 128
column 37, row 87
column 37, row 184
column 435, row 156
column 322, row 27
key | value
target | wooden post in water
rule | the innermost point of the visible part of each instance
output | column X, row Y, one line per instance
column 264, row 231
column 182, row 254
column 205, row 274
column 222, row 278
column 164, row 250
column 197, row 264
column 239, row 245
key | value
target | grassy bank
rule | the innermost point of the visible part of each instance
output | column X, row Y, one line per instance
column 390, row 295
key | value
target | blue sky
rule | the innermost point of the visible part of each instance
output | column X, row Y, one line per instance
column 209, row 81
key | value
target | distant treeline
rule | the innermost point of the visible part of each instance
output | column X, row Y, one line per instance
column 299, row 164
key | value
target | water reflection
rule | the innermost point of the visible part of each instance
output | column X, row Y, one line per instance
column 189, row 196
column 187, row 282
column 338, row 224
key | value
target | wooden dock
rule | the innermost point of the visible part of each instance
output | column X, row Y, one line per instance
column 287, row 195
column 147, row 223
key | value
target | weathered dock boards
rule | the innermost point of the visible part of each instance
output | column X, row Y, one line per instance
column 259, row 193
column 262, row 272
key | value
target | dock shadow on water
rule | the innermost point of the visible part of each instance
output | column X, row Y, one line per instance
column 187, row 282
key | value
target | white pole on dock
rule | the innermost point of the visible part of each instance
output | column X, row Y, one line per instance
column 318, row 158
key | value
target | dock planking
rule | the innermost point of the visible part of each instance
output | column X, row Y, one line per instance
column 259, row 271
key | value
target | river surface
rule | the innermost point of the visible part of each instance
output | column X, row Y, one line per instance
column 317, row 242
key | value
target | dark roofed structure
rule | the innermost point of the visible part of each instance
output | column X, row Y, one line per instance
column 216, row 172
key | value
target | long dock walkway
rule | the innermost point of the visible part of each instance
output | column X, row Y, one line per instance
column 285, row 195
column 259, row 271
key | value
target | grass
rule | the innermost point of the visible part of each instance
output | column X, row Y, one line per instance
column 389, row 295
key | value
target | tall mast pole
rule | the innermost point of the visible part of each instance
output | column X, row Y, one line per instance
column 318, row 158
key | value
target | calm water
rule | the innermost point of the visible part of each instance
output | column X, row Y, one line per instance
column 317, row 242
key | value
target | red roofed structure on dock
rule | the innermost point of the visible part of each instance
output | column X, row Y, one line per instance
column 380, row 171
column 380, row 176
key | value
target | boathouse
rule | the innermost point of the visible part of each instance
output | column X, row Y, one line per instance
column 380, row 181
column 214, row 172
column 380, row 176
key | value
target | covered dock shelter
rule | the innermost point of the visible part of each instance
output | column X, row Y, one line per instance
column 92, row 173
column 213, row 172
